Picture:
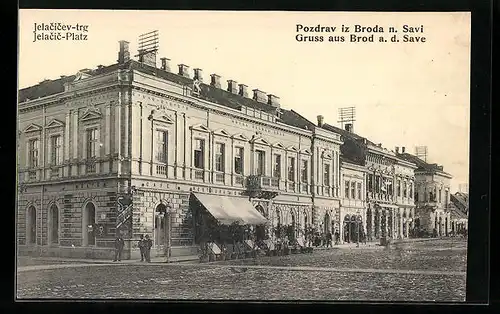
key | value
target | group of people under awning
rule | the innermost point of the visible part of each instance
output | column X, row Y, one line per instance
column 240, row 230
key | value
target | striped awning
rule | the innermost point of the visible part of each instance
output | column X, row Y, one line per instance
column 228, row 210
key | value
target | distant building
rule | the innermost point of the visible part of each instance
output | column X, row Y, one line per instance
column 388, row 185
column 432, row 196
column 459, row 212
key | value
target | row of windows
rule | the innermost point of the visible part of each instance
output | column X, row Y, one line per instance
column 56, row 146
column 353, row 190
column 260, row 160
column 380, row 185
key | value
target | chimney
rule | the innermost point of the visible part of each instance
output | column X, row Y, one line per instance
column 183, row 70
column 198, row 74
column 232, row 87
column 348, row 127
column 123, row 54
column 403, row 150
column 165, row 64
column 273, row 100
column 397, row 149
column 243, row 90
column 259, row 96
column 321, row 119
column 215, row 80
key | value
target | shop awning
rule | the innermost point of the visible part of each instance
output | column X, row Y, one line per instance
column 228, row 210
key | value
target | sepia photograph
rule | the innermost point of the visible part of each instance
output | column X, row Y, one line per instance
column 266, row 156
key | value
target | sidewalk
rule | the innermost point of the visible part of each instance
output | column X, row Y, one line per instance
column 155, row 260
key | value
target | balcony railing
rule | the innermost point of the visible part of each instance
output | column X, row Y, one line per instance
column 262, row 186
column 198, row 174
column 90, row 166
column 239, row 180
column 219, row 177
column 54, row 172
column 32, row 175
column 161, row 169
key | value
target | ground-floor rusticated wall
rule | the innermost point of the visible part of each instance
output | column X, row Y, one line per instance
column 434, row 219
column 74, row 219
column 152, row 209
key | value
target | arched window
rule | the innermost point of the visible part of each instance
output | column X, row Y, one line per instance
column 89, row 227
column 54, row 224
column 31, row 226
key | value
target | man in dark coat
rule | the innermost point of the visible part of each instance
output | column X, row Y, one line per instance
column 141, row 244
column 119, row 244
column 148, row 243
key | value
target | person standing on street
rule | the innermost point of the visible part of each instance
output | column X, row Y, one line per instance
column 147, row 248
column 140, row 244
column 329, row 239
column 119, row 244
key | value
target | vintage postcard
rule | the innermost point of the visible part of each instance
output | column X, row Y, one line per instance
column 243, row 155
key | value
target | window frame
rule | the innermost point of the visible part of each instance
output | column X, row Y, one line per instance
column 220, row 164
column 201, row 150
column 164, row 146
column 239, row 149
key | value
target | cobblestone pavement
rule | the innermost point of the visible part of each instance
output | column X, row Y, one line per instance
column 344, row 274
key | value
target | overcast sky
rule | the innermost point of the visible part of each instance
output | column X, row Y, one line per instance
column 405, row 94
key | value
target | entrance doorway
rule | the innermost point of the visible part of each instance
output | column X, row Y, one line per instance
column 54, row 224
column 327, row 223
column 369, row 224
column 88, row 222
column 446, row 226
column 160, row 225
column 31, row 225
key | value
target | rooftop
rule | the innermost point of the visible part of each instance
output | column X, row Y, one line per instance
column 422, row 165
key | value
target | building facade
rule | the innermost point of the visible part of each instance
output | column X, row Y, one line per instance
column 353, row 203
column 432, row 197
column 388, row 182
column 128, row 148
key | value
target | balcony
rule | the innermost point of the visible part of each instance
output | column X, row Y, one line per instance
column 32, row 175
column 198, row 174
column 262, row 186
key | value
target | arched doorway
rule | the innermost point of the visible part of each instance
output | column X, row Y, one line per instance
column 446, row 226
column 369, row 223
column 405, row 224
column 54, row 224
column 260, row 230
column 159, row 237
column 293, row 225
column 390, row 230
column 377, row 223
column 435, row 223
column 327, row 223
column 383, row 223
column 278, row 223
column 88, row 223
column 346, row 224
column 353, row 229
column 440, row 226
column 31, row 225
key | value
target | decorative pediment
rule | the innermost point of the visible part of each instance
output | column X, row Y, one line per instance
column 33, row 128
column 199, row 127
column 292, row 148
column 54, row 123
column 91, row 113
column 306, row 152
column 260, row 140
column 81, row 76
column 326, row 155
column 160, row 116
column 240, row 137
column 221, row 132
column 279, row 145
